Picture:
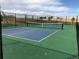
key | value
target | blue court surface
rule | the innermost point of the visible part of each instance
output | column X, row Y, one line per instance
column 28, row 33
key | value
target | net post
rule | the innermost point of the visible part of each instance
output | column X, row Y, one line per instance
column 62, row 26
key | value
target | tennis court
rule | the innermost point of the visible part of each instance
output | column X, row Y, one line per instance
column 49, row 43
column 28, row 38
column 29, row 33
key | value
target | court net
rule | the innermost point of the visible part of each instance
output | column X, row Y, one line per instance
column 46, row 25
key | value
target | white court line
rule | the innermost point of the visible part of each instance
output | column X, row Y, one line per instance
column 31, row 39
column 21, row 32
column 48, row 35
column 21, row 38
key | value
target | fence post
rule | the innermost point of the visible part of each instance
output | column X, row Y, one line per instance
column 77, row 19
column 66, row 19
column 1, row 50
column 77, row 30
column 37, row 19
column 32, row 17
column 15, row 19
column 26, row 20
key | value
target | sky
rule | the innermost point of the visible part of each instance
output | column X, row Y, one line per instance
column 41, row 7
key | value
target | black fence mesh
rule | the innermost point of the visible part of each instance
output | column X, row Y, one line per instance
column 13, row 20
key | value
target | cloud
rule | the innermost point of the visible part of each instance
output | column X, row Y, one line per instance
column 14, row 11
column 38, row 7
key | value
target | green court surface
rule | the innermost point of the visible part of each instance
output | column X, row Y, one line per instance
column 61, row 45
